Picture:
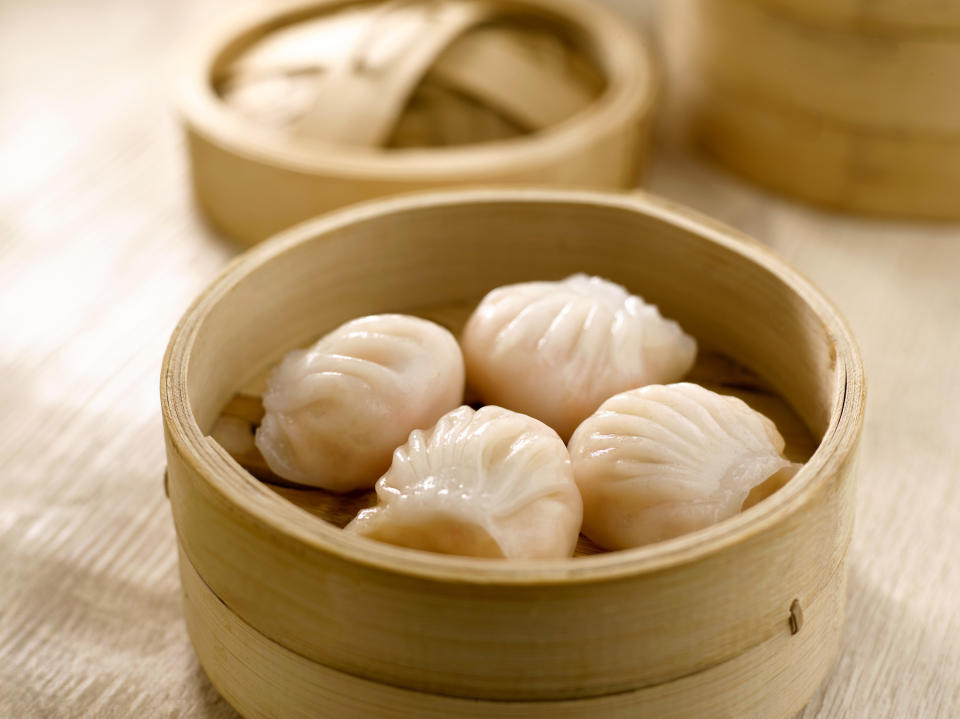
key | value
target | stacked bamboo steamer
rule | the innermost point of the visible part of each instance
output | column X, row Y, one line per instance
column 848, row 104
column 292, row 617
column 315, row 104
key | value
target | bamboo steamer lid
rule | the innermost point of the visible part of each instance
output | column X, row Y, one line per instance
column 886, row 174
column 313, row 105
column 292, row 617
column 856, row 119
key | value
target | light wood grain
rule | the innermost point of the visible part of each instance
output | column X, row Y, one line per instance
column 100, row 252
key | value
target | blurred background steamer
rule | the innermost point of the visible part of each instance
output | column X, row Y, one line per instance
column 850, row 105
column 301, row 109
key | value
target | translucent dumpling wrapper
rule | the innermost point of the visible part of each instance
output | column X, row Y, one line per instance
column 556, row 350
column 660, row 461
column 484, row 483
column 336, row 411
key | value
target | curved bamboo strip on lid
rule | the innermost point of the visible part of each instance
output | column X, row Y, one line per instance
column 282, row 127
column 358, row 99
column 515, row 631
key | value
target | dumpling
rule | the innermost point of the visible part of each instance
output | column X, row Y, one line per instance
column 484, row 483
column 556, row 350
column 659, row 461
column 335, row 412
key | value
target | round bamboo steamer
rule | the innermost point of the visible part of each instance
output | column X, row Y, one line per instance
column 878, row 173
column 903, row 83
column 291, row 617
column 552, row 92
column 850, row 118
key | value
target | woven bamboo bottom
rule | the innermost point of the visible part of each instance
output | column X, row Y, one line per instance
column 264, row 680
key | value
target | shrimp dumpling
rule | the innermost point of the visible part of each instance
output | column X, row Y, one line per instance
column 336, row 411
column 659, row 461
column 556, row 350
column 484, row 483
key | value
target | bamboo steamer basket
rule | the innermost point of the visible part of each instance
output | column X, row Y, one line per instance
column 870, row 172
column 408, row 95
column 292, row 618
column 854, row 118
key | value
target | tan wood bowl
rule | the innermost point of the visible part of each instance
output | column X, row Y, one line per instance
column 253, row 180
column 854, row 118
column 290, row 617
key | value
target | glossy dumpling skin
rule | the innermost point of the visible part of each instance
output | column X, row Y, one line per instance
column 336, row 411
column 659, row 461
column 484, row 483
column 556, row 350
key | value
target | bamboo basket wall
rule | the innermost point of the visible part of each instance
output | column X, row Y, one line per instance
column 853, row 107
column 316, row 104
column 292, row 618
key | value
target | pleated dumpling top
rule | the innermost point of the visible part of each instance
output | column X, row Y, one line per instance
column 556, row 350
column 483, row 483
column 659, row 461
column 336, row 411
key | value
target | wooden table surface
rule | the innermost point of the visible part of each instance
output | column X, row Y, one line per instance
column 100, row 252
